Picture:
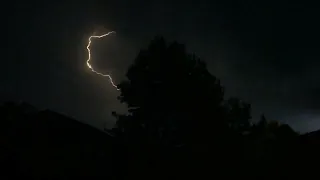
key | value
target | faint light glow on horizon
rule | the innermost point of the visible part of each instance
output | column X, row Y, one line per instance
column 89, row 57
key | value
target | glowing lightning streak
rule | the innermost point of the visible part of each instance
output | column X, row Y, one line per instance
column 89, row 58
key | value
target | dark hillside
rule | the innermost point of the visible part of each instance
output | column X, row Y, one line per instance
column 47, row 144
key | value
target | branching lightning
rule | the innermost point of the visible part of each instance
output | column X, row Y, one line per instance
column 89, row 57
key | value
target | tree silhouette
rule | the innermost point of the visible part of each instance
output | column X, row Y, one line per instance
column 272, row 145
column 175, row 102
column 239, row 114
column 170, row 89
column 271, row 129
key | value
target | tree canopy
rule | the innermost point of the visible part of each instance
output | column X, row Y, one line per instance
column 176, row 103
column 173, row 97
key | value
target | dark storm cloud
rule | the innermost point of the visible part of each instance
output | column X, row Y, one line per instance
column 283, row 67
column 264, row 51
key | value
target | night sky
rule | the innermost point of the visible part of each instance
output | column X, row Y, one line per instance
column 265, row 52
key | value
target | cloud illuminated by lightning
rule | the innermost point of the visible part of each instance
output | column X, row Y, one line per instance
column 89, row 58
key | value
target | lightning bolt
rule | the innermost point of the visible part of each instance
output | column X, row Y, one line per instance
column 89, row 58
